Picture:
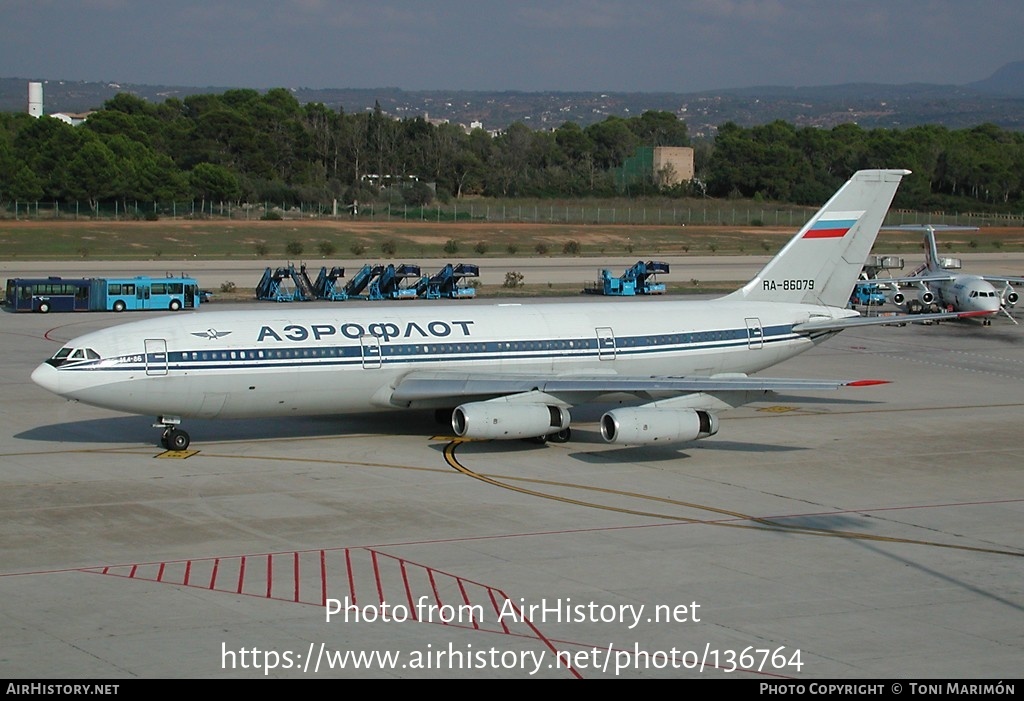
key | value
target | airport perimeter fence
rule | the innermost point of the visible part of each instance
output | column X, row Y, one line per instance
column 725, row 213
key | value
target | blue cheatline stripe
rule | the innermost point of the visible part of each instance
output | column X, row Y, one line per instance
column 432, row 353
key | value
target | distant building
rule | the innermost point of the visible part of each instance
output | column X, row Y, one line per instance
column 35, row 99
column 74, row 119
column 434, row 122
column 673, row 165
column 665, row 166
column 35, row 107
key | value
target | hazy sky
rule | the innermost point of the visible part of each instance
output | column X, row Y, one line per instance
column 542, row 45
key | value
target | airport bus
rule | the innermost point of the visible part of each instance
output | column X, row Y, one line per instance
column 56, row 294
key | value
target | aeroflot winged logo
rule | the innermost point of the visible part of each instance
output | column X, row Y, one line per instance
column 832, row 225
column 212, row 334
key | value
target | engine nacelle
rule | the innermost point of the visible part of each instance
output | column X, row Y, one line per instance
column 508, row 420
column 645, row 426
column 925, row 295
column 1010, row 296
column 898, row 298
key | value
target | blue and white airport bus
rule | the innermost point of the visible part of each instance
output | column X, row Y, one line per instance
column 56, row 294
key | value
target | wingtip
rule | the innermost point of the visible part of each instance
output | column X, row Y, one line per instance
column 867, row 383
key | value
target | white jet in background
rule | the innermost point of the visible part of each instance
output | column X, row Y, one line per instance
column 937, row 284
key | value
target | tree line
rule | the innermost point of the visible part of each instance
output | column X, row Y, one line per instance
column 247, row 146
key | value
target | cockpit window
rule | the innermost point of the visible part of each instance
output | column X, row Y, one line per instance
column 67, row 355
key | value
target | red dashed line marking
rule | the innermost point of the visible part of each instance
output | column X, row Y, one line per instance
column 362, row 576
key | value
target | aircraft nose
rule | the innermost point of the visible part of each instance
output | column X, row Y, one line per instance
column 987, row 304
column 46, row 377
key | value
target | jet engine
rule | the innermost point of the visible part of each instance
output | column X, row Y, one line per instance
column 1010, row 296
column 925, row 296
column 500, row 420
column 646, row 426
column 898, row 298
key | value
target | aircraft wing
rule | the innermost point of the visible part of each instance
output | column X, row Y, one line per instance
column 946, row 277
column 421, row 387
column 929, row 277
column 1005, row 279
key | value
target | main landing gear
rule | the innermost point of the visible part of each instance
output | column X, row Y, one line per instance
column 562, row 436
column 173, row 438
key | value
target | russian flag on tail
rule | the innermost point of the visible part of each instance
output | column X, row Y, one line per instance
column 835, row 228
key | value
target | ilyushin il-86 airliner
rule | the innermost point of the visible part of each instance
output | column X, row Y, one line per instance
column 505, row 371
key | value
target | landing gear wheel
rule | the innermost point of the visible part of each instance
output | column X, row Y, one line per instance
column 562, row 436
column 177, row 439
column 537, row 440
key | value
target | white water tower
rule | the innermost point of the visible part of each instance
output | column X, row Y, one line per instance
column 35, row 99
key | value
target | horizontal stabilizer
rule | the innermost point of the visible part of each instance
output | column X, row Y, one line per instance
column 826, row 324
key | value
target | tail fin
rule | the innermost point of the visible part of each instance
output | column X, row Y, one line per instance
column 821, row 264
column 932, row 261
column 931, row 250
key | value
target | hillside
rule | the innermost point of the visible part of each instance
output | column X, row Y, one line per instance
column 997, row 99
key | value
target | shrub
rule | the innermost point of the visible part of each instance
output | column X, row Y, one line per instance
column 389, row 247
column 512, row 249
column 293, row 248
column 480, row 248
column 418, row 195
column 227, row 286
column 571, row 248
column 513, row 279
column 451, row 246
column 326, row 248
column 357, row 249
column 261, row 249
column 541, row 248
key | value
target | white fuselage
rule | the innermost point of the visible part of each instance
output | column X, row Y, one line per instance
column 343, row 359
